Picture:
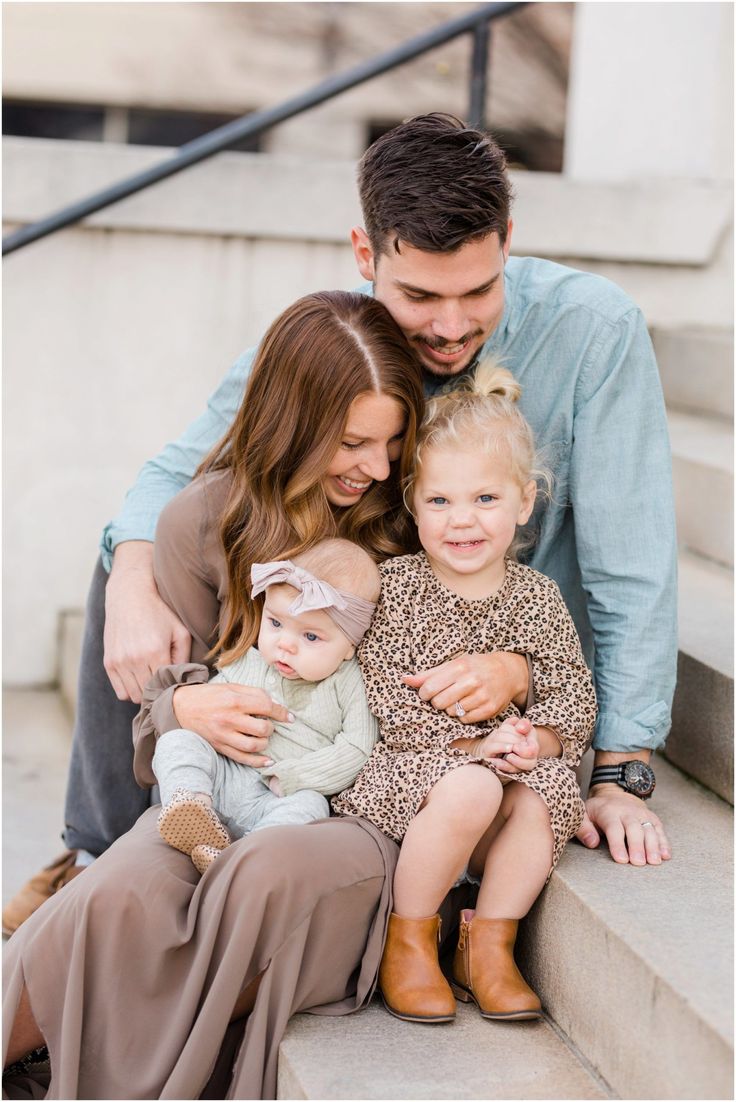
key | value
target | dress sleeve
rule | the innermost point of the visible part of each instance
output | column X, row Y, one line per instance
column 156, row 716
column 186, row 566
column 334, row 768
column 563, row 685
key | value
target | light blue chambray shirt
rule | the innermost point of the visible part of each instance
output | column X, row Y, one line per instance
column 591, row 391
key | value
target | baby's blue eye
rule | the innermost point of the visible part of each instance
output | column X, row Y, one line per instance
column 273, row 622
column 311, row 636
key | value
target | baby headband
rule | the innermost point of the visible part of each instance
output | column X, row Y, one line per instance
column 351, row 613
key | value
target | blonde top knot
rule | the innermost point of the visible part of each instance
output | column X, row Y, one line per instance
column 490, row 379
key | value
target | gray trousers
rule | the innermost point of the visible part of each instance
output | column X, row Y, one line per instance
column 240, row 796
column 103, row 799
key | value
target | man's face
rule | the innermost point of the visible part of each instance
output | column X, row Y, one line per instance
column 447, row 304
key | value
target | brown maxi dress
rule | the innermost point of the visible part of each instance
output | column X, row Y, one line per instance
column 134, row 968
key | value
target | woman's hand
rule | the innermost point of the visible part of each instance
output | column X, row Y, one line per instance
column 485, row 684
column 236, row 720
column 141, row 632
column 514, row 746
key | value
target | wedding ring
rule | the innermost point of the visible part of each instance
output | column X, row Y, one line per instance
column 647, row 824
column 459, row 710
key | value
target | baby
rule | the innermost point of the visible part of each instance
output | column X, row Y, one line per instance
column 316, row 610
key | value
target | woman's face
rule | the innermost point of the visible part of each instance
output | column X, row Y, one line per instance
column 370, row 443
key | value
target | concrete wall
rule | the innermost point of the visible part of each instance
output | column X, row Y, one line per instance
column 651, row 92
column 115, row 333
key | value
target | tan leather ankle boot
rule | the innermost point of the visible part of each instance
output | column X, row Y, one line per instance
column 411, row 981
column 485, row 971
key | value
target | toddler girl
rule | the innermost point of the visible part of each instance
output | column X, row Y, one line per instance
column 316, row 610
column 497, row 798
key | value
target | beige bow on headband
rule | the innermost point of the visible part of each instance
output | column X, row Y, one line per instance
column 351, row 613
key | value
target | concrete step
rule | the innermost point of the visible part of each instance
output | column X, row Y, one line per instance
column 702, row 466
column 635, row 965
column 696, row 368
column 701, row 740
column 373, row 1055
column 71, row 629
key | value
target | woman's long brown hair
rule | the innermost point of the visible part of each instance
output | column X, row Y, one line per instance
column 319, row 356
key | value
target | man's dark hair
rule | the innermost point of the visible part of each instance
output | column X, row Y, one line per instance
column 433, row 183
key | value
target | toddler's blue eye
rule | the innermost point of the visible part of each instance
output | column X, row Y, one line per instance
column 438, row 501
column 486, row 498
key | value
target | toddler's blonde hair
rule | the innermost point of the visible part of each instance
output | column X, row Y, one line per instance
column 481, row 414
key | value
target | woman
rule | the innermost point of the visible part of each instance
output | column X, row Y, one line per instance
column 139, row 975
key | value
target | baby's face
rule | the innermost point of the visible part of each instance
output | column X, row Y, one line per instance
column 309, row 646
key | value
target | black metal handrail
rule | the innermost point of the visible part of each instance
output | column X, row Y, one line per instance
column 249, row 126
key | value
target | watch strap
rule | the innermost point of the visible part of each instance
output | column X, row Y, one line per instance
column 616, row 774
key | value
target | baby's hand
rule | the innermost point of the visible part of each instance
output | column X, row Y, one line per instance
column 275, row 785
column 514, row 746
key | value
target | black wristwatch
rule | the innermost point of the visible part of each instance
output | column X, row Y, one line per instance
column 633, row 776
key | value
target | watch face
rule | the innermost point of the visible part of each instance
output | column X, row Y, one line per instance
column 639, row 778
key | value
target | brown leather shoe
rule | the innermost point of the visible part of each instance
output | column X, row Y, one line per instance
column 411, row 981
column 38, row 889
column 485, row 971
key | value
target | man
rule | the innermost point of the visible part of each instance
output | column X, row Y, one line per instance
column 435, row 247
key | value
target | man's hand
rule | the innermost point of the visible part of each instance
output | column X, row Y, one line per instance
column 620, row 817
column 236, row 720
column 484, row 684
column 141, row 632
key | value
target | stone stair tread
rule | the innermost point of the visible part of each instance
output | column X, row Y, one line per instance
column 696, row 368
column 705, row 612
column 646, row 912
column 635, row 964
column 700, row 439
column 373, row 1055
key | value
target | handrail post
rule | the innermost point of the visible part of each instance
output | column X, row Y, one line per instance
column 479, row 76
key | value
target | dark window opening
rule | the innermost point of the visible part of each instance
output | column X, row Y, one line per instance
column 534, row 150
column 132, row 125
column 147, row 126
column 47, row 120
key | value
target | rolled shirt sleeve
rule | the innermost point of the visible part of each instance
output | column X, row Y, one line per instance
column 622, row 502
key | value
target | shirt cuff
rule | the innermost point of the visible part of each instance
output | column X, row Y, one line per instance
column 287, row 772
column 113, row 534
column 645, row 731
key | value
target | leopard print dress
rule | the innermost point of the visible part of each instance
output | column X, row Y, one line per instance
column 420, row 623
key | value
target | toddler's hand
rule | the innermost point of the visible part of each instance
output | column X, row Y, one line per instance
column 514, row 746
column 275, row 785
